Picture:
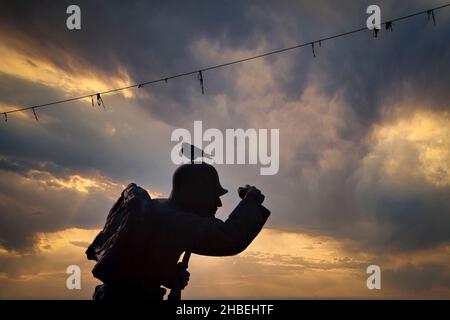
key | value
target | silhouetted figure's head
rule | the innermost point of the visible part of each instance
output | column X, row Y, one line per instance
column 196, row 188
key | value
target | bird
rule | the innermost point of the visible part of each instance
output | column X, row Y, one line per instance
column 192, row 153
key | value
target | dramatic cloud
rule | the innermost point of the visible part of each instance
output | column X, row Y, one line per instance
column 276, row 265
column 363, row 126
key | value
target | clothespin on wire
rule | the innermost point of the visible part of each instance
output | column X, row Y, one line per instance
column 200, row 78
column 6, row 116
column 35, row 115
column 140, row 85
column 430, row 14
column 389, row 26
column 320, row 43
column 375, row 32
column 100, row 101
column 92, row 100
column 313, row 51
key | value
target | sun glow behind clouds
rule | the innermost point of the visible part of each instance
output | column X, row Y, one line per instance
column 416, row 145
column 77, row 182
column 277, row 264
column 79, row 81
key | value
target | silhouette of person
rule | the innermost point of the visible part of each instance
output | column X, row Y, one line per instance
column 138, row 253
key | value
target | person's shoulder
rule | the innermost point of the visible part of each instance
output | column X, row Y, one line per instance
column 167, row 209
column 162, row 203
column 163, row 206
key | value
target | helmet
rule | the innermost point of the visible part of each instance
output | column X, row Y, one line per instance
column 199, row 176
column 195, row 183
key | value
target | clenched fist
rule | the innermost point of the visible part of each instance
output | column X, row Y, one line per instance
column 251, row 191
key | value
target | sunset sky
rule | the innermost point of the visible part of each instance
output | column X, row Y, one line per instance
column 364, row 172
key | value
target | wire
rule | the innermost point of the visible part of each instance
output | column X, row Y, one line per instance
column 200, row 71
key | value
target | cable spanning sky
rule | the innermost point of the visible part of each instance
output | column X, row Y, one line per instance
column 430, row 12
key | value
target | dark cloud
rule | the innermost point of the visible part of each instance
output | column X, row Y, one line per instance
column 413, row 279
column 408, row 216
column 153, row 39
column 78, row 145
column 31, row 203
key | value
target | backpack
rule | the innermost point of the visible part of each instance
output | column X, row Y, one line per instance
column 117, row 247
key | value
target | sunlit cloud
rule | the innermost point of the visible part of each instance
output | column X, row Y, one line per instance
column 53, row 201
column 74, row 182
column 281, row 264
column 277, row 264
column 42, row 273
column 415, row 145
column 9, row 107
column 355, row 187
column 85, row 80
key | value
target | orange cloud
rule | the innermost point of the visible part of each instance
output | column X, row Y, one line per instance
column 81, row 79
column 278, row 264
column 75, row 182
column 415, row 145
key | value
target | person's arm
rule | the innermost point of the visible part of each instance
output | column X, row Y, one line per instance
column 214, row 237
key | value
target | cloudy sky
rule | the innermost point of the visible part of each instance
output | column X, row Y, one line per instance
column 364, row 139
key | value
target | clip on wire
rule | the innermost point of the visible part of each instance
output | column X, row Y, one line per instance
column 375, row 32
column 313, row 51
column 389, row 26
column 100, row 101
column 430, row 14
column 35, row 115
column 6, row 116
column 200, row 78
column 92, row 100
